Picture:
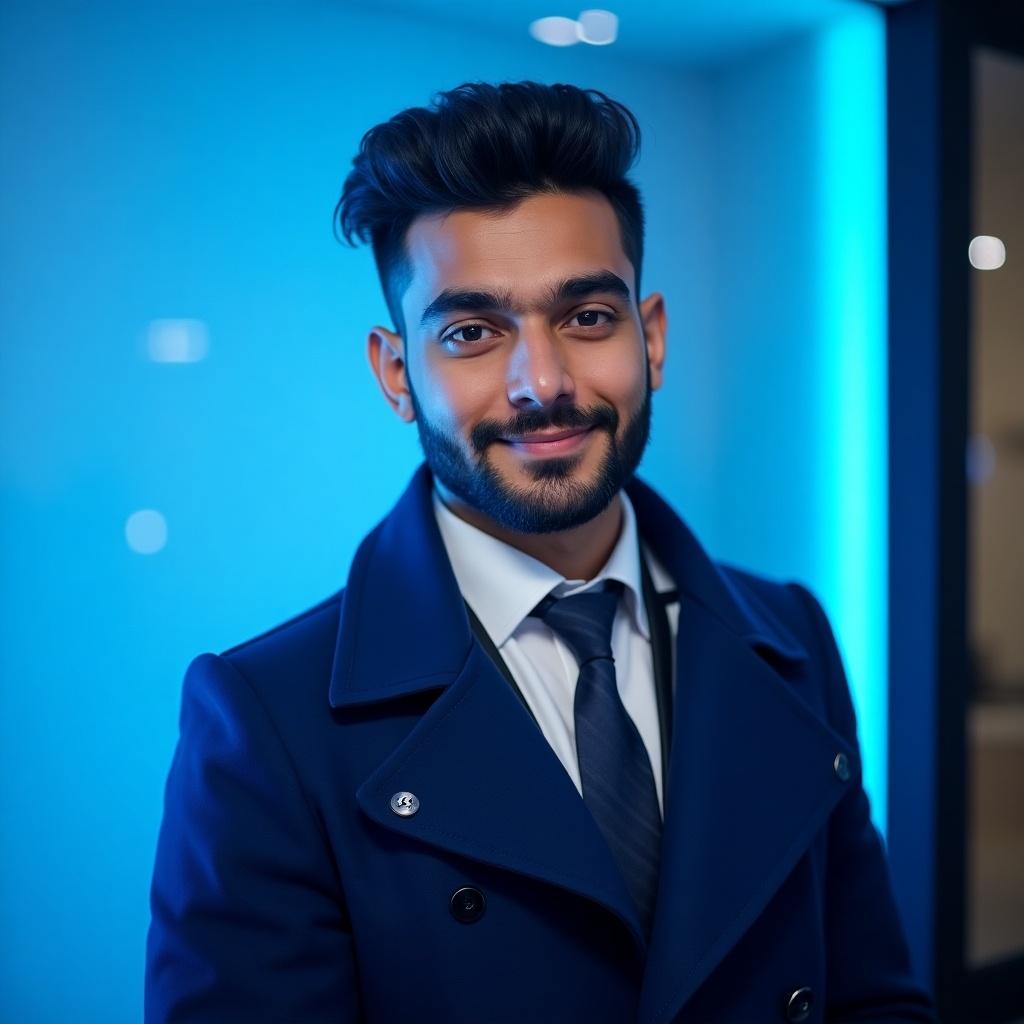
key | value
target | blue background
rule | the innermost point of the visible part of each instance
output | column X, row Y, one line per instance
column 182, row 162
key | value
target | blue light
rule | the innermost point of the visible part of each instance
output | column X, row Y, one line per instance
column 853, row 370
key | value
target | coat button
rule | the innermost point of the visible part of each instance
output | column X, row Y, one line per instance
column 405, row 804
column 841, row 766
column 467, row 904
column 798, row 1007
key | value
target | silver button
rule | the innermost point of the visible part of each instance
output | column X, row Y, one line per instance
column 841, row 765
column 405, row 804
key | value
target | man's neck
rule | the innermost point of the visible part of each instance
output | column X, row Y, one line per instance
column 577, row 553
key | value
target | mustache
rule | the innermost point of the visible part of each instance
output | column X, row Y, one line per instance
column 568, row 417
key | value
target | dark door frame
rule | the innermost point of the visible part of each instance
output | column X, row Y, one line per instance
column 929, row 47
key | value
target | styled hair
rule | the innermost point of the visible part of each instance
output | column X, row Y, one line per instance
column 484, row 146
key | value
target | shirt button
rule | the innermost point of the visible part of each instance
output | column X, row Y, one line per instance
column 405, row 804
column 841, row 765
column 798, row 1007
column 467, row 904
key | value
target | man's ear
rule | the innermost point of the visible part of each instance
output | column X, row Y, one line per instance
column 655, row 324
column 386, row 352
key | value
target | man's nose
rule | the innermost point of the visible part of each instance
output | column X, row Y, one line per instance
column 537, row 369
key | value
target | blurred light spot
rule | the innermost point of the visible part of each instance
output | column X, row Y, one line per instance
column 597, row 27
column 555, row 31
column 146, row 531
column 986, row 252
column 981, row 459
column 177, row 341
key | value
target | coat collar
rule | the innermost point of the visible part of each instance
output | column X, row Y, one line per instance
column 503, row 584
column 401, row 577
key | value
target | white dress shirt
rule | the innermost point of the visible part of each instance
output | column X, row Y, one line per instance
column 503, row 585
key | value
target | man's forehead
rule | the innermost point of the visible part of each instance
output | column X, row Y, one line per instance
column 524, row 253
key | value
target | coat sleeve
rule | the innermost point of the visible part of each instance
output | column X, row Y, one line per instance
column 869, row 976
column 248, row 919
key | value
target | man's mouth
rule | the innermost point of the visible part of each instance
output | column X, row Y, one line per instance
column 551, row 442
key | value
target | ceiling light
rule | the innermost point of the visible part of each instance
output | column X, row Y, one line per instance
column 597, row 27
column 555, row 31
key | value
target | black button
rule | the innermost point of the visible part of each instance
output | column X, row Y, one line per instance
column 798, row 1007
column 467, row 904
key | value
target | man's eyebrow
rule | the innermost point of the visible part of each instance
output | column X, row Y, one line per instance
column 588, row 284
column 454, row 299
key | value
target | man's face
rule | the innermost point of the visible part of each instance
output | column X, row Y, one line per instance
column 519, row 325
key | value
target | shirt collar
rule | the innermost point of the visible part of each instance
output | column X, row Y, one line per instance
column 503, row 584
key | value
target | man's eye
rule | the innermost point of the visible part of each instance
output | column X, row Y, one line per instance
column 470, row 332
column 589, row 317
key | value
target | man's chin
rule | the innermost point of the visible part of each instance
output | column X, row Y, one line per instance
column 542, row 506
column 551, row 478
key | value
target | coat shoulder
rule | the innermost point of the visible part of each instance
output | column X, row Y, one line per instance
column 785, row 608
column 786, row 599
column 800, row 612
column 295, row 653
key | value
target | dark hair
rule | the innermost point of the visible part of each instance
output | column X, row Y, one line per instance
column 488, row 147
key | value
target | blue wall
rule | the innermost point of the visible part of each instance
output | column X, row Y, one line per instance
column 795, row 476
column 183, row 163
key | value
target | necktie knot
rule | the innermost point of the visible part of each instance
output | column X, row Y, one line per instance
column 584, row 621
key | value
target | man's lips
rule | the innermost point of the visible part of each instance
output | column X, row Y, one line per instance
column 552, row 443
column 554, row 435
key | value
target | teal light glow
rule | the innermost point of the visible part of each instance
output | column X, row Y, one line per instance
column 794, row 345
column 853, row 414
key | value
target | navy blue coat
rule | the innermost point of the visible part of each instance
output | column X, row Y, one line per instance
column 287, row 890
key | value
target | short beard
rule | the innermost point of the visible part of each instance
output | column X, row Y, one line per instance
column 562, row 502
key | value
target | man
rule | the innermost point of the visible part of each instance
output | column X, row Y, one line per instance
column 541, row 759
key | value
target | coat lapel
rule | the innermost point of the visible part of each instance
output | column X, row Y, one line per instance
column 490, row 787
column 750, row 778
